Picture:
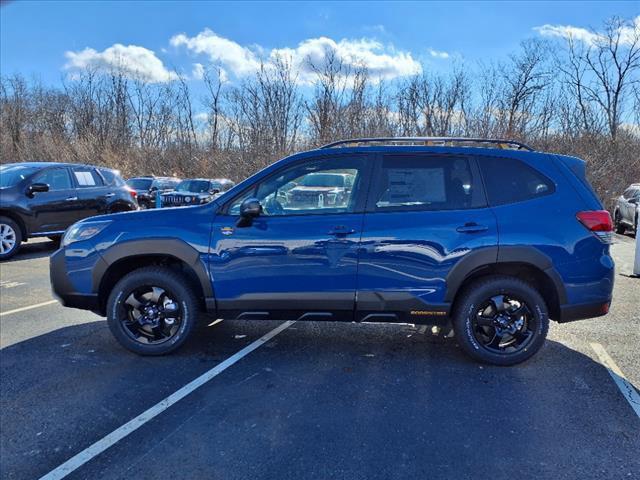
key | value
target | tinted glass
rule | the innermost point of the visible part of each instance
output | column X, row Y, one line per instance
column 194, row 186
column 310, row 188
column 11, row 175
column 86, row 177
column 111, row 177
column 426, row 182
column 509, row 180
column 140, row 183
column 56, row 178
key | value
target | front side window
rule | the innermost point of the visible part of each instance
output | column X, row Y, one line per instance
column 313, row 188
column 508, row 180
column 56, row 178
column 424, row 182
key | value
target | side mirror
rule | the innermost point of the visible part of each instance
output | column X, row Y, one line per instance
column 249, row 209
column 153, row 189
column 37, row 188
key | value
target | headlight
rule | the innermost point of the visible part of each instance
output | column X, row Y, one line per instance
column 83, row 231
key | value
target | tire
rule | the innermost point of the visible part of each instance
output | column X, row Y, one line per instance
column 618, row 226
column 513, row 292
column 10, row 238
column 126, row 303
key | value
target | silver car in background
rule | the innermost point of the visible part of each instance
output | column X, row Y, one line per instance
column 625, row 214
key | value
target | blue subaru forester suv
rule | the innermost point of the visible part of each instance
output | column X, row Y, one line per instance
column 488, row 237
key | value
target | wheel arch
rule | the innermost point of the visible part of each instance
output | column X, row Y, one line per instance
column 126, row 257
column 523, row 262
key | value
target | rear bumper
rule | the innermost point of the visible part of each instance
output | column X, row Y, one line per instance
column 64, row 291
column 570, row 313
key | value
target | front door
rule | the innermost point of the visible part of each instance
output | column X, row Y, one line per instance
column 424, row 214
column 298, row 259
column 55, row 210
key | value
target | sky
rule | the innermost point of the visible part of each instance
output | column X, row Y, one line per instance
column 52, row 40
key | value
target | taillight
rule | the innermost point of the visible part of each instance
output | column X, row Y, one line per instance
column 599, row 222
column 132, row 192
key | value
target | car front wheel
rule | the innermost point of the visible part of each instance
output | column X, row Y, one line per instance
column 152, row 311
column 501, row 320
column 10, row 238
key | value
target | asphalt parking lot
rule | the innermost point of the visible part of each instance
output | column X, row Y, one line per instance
column 316, row 400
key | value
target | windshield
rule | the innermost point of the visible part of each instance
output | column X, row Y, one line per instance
column 194, row 186
column 322, row 180
column 140, row 183
column 11, row 175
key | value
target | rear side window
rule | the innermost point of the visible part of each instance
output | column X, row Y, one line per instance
column 424, row 182
column 508, row 180
column 86, row 177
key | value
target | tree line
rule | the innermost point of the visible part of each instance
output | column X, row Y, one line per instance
column 572, row 96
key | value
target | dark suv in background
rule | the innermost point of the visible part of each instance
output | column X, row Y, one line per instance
column 487, row 236
column 148, row 187
column 42, row 199
column 195, row 191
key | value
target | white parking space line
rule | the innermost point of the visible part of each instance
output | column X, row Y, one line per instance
column 627, row 389
column 132, row 425
column 30, row 307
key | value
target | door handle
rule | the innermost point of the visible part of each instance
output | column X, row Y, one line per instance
column 71, row 199
column 340, row 231
column 472, row 227
column 109, row 195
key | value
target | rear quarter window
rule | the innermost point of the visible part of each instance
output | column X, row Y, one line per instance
column 508, row 180
column 112, row 177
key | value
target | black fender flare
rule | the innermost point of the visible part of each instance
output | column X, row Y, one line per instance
column 170, row 247
column 492, row 256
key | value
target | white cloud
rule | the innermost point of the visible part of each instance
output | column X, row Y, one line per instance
column 382, row 61
column 590, row 37
column 238, row 59
column 198, row 71
column 438, row 53
column 134, row 61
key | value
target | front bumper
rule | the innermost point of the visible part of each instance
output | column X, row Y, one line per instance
column 64, row 289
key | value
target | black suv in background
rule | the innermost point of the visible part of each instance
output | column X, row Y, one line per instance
column 148, row 187
column 195, row 191
column 42, row 199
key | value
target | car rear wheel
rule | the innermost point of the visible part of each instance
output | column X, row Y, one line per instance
column 152, row 311
column 10, row 238
column 618, row 225
column 501, row 320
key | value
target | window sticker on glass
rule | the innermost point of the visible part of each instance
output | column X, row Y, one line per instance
column 415, row 185
column 84, row 178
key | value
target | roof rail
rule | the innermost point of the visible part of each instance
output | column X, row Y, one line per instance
column 432, row 141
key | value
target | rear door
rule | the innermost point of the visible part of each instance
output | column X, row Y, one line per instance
column 92, row 193
column 425, row 212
